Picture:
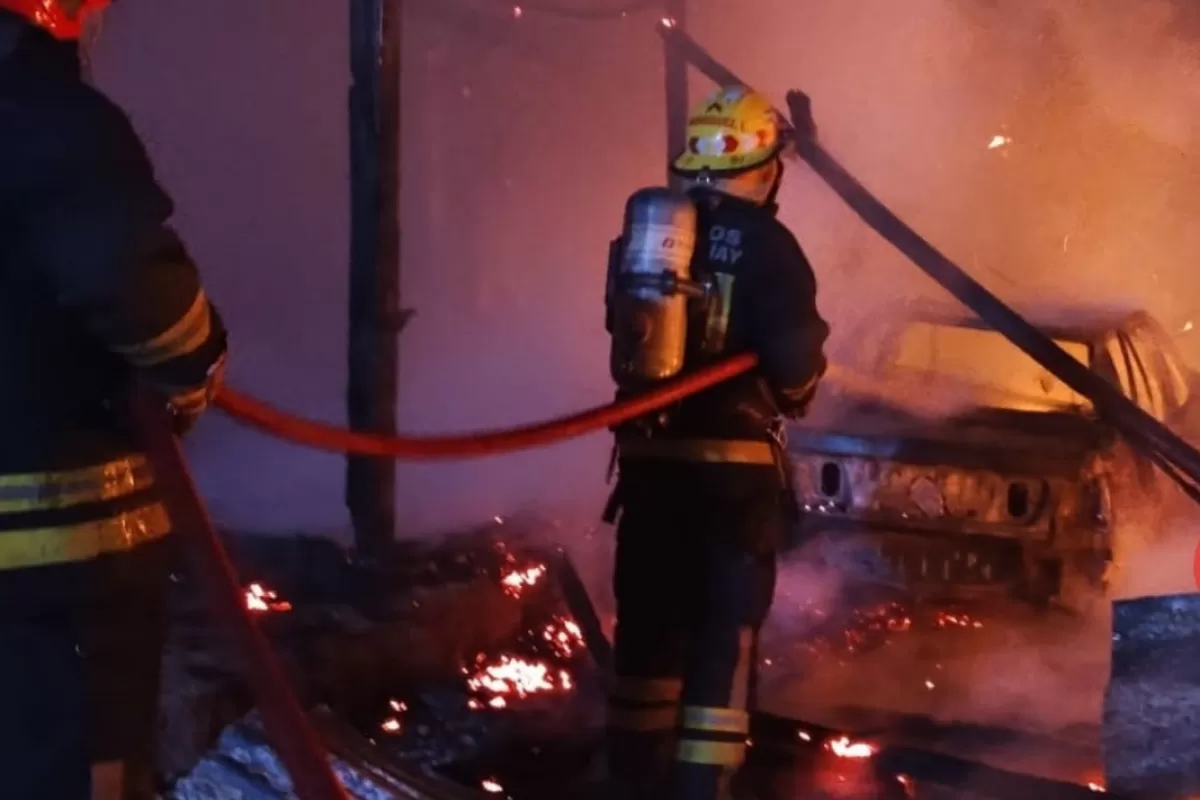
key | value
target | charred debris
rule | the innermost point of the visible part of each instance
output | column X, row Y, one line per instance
column 475, row 667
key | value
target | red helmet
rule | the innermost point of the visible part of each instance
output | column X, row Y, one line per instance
column 63, row 19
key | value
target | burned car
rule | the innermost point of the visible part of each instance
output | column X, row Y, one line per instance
column 966, row 468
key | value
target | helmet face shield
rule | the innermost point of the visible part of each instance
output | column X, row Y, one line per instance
column 62, row 19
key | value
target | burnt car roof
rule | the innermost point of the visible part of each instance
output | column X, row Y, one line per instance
column 1077, row 323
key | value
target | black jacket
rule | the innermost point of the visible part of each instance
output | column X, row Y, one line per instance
column 95, row 287
column 771, row 312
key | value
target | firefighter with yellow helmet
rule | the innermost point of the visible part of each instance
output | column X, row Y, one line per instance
column 96, row 291
column 703, row 499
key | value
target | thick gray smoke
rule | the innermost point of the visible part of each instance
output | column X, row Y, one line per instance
column 525, row 131
column 1046, row 145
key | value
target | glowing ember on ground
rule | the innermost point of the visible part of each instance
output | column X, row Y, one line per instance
column 511, row 677
column 492, row 786
column 563, row 636
column 259, row 598
column 945, row 620
column 518, row 580
column 842, row 747
column 394, row 724
column 1096, row 787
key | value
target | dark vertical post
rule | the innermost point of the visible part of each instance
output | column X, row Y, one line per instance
column 676, row 67
column 375, row 316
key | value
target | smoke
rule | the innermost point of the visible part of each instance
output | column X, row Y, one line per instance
column 1045, row 145
column 523, row 134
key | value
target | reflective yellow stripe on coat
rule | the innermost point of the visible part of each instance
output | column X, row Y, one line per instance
column 713, row 451
column 40, row 547
column 188, row 334
column 23, row 547
column 47, row 491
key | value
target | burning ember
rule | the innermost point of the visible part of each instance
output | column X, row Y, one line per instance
column 490, row 785
column 564, row 637
column 871, row 627
column 394, row 724
column 512, row 677
column 261, row 599
column 842, row 747
column 944, row 620
column 516, row 581
column 998, row 141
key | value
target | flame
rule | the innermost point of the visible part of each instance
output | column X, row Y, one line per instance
column 514, row 677
column 668, row 22
column 491, row 785
column 261, row 599
column 516, row 581
column 394, row 723
column 842, row 747
column 517, row 12
column 946, row 620
column 564, row 637
column 998, row 141
column 1094, row 780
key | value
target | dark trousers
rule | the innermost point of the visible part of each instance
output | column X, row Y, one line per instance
column 695, row 575
column 80, row 657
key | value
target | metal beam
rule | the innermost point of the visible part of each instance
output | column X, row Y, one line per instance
column 675, row 69
column 375, row 317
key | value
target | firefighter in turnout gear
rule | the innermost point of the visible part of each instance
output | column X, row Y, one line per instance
column 703, row 497
column 95, row 291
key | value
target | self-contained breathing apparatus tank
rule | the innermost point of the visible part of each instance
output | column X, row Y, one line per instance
column 649, row 285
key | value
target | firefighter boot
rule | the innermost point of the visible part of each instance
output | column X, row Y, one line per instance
column 715, row 723
column 641, row 734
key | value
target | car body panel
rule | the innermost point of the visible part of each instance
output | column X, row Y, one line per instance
column 1009, row 488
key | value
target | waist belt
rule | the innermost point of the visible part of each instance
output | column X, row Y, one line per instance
column 49, row 492
column 716, row 451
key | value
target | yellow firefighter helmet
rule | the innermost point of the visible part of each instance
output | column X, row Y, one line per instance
column 733, row 130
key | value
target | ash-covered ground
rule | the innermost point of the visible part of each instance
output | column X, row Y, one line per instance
column 478, row 660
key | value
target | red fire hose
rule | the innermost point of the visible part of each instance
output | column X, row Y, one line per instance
column 287, row 726
column 322, row 436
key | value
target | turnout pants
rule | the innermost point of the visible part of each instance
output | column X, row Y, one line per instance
column 80, row 656
column 694, row 579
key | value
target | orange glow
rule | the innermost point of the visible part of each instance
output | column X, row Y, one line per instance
column 500, row 681
column 260, row 599
column 842, row 747
column 516, row 581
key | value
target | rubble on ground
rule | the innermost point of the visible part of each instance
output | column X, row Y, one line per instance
column 473, row 667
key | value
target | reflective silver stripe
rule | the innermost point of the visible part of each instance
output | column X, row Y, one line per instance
column 718, row 720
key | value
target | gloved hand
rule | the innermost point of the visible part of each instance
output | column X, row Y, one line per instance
column 188, row 405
